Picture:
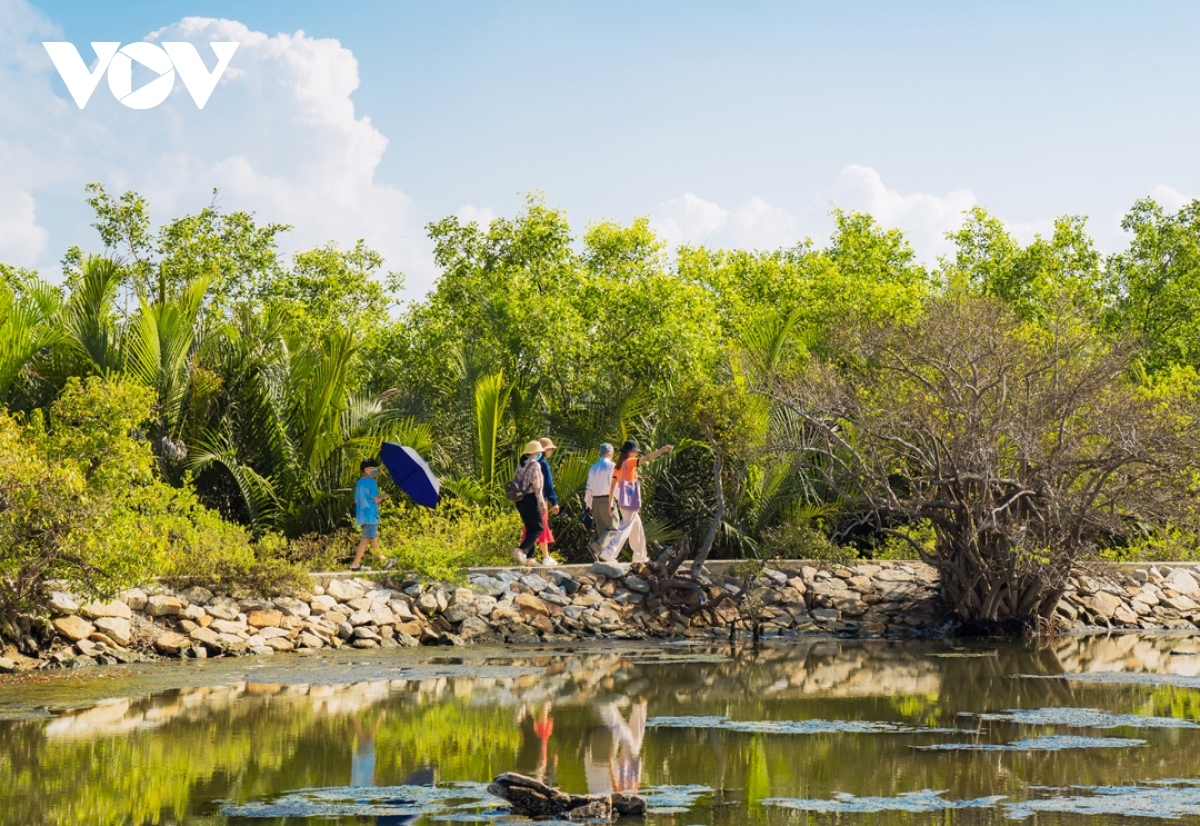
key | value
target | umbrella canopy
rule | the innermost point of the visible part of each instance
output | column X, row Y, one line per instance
column 410, row 473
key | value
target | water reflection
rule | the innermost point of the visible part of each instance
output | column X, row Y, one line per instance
column 765, row 732
column 619, row 746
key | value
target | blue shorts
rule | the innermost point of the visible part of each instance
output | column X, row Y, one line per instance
column 370, row 531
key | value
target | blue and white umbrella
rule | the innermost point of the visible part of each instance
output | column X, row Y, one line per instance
column 411, row 474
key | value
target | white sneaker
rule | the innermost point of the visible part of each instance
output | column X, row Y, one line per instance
column 518, row 557
column 549, row 562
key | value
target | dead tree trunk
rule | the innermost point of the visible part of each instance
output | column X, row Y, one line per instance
column 718, row 513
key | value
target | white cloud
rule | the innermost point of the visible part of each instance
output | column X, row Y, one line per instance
column 756, row 224
column 1170, row 198
column 923, row 216
column 22, row 240
column 279, row 136
column 471, row 214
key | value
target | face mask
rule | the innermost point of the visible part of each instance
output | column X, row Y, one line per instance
column 537, row 456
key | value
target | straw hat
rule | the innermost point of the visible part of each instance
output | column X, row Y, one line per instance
column 532, row 448
column 548, row 445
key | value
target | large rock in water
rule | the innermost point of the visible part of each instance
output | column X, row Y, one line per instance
column 533, row 798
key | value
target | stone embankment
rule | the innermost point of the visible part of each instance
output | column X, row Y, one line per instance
column 527, row 606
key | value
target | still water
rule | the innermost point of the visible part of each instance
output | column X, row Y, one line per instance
column 1068, row 731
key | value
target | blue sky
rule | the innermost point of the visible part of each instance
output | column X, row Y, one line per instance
column 734, row 124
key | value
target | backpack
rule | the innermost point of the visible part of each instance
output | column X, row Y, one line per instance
column 513, row 492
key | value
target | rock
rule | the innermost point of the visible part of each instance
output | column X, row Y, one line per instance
column 88, row 648
column 322, row 603
column 401, row 610
column 363, row 603
column 62, row 604
column 365, row 643
column 73, row 628
column 362, row 632
column 135, row 598
column 307, row 640
column 359, row 618
column 826, row 614
column 427, row 603
column 292, row 607
column 462, row 596
column 163, row 606
column 116, row 628
column 1125, row 615
column 381, row 614
column 413, row 629
column 1183, row 582
column 7, row 666
column 264, row 618
column 345, row 630
column 778, row 577
column 474, row 627
column 405, row 640
column 612, row 570
column 533, row 798
column 228, row 626
column 459, row 612
column 797, row 583
column 446, row 638
column 1103, row 605
column 222, row 608
column 196, row 595
column 1181, row 603
column 206, row 636
column 344, row 590
column 532, row 605
column 893, row 575
column 624, row 804
column 637, row 584
column 270, row 633
column 489, row 585
column 262, row 650
column 535, row 583
column 172, row 643
column 505, row 613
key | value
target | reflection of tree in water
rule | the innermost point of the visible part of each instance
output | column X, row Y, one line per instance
column 160, row 758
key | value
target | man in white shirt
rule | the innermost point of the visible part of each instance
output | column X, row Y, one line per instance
column 596, row 498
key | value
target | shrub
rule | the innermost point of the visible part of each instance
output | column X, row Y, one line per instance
column 1166, row 545
column 81, row 501
column 804, row 540
column 439, row 544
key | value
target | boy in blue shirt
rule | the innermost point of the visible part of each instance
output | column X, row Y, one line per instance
column 366, row 510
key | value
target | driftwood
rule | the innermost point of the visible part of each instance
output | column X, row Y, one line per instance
column 533, row 798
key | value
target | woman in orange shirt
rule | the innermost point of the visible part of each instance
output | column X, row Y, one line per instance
column 626, row 491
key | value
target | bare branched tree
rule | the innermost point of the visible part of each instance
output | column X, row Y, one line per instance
column 1025, row 447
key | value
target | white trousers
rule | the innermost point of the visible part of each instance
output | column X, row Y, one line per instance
column 630, row 530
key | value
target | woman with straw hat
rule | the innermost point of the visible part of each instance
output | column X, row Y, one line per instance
column 546, row 537
column 532, row 504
